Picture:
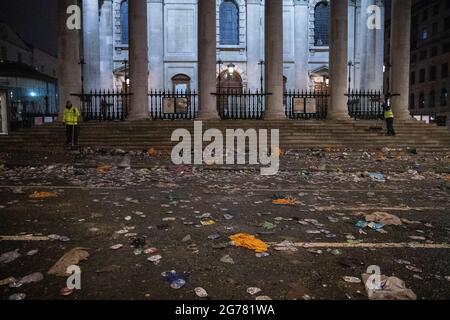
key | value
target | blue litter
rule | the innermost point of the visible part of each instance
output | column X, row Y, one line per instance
column 176, row 280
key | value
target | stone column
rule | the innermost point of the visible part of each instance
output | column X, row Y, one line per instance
column 207, row 48
column 106, row 48
column 91, row 45
column 372, row 47
column 274, row 59
column 69, row 69
column 337, row 109
column 253, row 44
column 137, row 13
column 400, row 56
column 156, row 39
column 301, row 45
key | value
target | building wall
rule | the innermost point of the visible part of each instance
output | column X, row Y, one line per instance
column 430, row 49
column 173, row 43
column 14, row 49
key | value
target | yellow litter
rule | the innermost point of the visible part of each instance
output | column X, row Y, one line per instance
column 250, row 242
column 152, row 152
column 42, row 195
column 289, row 201
column 104, row 168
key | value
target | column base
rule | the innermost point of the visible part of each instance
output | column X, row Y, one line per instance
column 208, row 116
column 137, row 117
column 275, row 116
column 339, row 116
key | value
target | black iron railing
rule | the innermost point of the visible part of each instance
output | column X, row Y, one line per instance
column 106, row 105
column 306, row 104
column 173, row 105
column 26, row 114
column 241, row 104
column 365, row 104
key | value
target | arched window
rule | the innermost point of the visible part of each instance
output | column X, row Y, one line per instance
column 124, row 21
column 229, row 23
column 321, row 23
column 181, row 83
column 444, row 97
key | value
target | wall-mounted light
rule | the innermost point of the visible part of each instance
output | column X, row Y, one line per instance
column 231, row 67
column 33, row 94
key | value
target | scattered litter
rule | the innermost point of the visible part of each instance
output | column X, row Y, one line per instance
column 34, row 277
column 262, row 254
column 253, row 290
column 377, row 177
column 228, row 217
column 152, row 152
column 227, row 259
column 268, row 225
column 156, row 259
column 9, row 256
column 57, row 237
column 289, row 201
column 7, row 281
column 336, row 252
column 42, row 195
column 372, row 225
column 65, row 292
column 350, row 279
column 72, row 257
column 250, row 242
column 187, row 238
column 384, row 218
column 104, row 168
column 413, row 269
column 208, row 222
column 389, row 288
column 214, row 236
column 17, row 296
column 116, row 246
column 200, row 292
column 32, row 252
column 176, row 280
column 151, row 251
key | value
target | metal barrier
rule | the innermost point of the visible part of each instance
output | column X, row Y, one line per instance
column 306, row 104
column 106, row 105
column 365, row 104
column 170, row 105
column 240, row 104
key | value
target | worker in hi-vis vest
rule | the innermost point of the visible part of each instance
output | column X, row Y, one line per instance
column 389, row 117
column 71, row 117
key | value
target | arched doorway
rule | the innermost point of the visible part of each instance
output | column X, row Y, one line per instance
column 231, row 102
column 227, row 82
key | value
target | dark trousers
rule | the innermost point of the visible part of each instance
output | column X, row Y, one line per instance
column 390, row 126
column 72, row 133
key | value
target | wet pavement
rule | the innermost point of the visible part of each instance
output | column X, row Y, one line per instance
column 119, row 205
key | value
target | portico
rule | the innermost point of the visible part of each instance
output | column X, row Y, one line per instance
column 146, row 58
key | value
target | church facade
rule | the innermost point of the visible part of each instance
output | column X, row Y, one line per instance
column 173, row 51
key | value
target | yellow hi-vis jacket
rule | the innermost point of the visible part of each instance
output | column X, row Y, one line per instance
column 71, row 116
column 388, row 114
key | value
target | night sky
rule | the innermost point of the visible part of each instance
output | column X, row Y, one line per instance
column 34, row 20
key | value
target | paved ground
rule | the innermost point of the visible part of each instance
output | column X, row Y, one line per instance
column 145, row 197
